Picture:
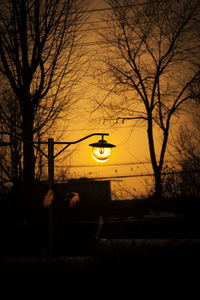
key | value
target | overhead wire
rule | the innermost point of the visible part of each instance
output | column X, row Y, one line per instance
column 111, row 8
column 111, row 165
column 139, row 175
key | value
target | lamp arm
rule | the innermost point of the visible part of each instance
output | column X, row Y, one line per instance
column 76, row 142
column 2, row 143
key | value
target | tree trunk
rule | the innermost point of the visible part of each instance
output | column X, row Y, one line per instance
column 156, row 167
column 158, row 184
column 27, row 135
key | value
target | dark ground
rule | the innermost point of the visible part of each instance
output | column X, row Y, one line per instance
column 137, row 252
column 142, row 266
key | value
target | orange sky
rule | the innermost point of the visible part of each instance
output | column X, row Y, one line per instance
column 132, row 146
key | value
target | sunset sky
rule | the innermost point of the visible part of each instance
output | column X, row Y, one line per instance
column 131, row 156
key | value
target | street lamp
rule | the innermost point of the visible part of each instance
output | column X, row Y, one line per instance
column 102, row 150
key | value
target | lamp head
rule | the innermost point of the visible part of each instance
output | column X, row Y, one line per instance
column 102, row 150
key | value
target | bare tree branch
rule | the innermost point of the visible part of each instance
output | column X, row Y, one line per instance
column 151, row 45
column 40, row 61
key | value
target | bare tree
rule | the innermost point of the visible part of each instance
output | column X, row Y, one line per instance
column 152, row 58
column 11, row 155
column 39, row 61
column 10, row 131
column 186, row 149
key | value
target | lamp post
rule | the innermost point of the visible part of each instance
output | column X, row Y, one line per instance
column 101, row 153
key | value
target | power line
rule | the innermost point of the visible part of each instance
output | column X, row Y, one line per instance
column 112, row 8
column 141, row 175
column 120, row 127
column 122, row 176
column 116, row 177
column 95, row 43
column 107, row 165
column 111, row 165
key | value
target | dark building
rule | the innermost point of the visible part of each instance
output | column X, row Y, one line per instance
column 77, row 206
column 83, row 196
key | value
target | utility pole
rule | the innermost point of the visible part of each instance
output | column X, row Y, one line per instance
column 51, row 188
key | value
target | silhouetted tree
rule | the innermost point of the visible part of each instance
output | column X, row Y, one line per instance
column 39, row 61
column 10, row 131
column 187, row 150
column 152, row 58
